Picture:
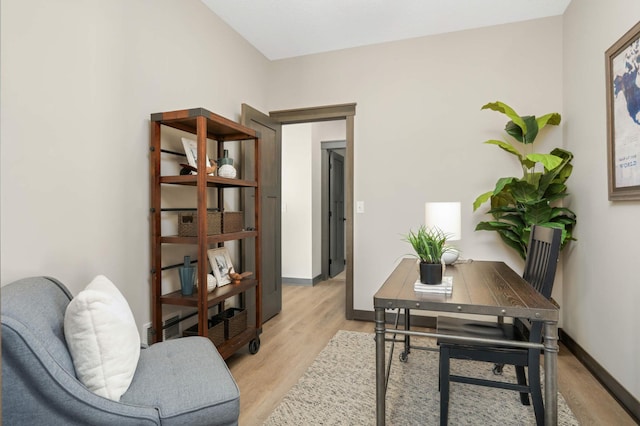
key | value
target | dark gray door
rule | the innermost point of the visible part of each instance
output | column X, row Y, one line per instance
column 270, row 207
column 336, row 214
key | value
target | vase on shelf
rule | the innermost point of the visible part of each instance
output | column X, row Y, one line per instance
column 225, row 166
column 187, row 277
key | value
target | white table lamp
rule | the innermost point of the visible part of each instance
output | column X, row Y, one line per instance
column 446, row 217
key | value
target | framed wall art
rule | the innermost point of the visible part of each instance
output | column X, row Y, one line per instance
column 622, row 66
column 221, row 265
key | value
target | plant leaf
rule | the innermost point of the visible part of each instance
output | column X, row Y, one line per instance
column 482, row 198
column 515, row 131
column 549, row 161
column 524, row 192
column 538, row 213
column 506, row 146
column 502, row 183
column 492, row 226
column 508, row 111
column 553, row 119
column 512, row 241
column 528, row 135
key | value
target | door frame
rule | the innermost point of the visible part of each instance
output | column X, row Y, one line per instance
column 345, row 112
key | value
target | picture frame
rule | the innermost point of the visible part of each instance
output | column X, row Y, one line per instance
column 191, row 150
column 221, row 265
column 622, row 68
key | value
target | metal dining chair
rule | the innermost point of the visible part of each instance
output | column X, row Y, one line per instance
column 539, row 272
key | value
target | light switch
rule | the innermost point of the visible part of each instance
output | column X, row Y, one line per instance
column 359, row 206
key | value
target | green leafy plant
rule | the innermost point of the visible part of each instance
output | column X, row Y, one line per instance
column 428, row 243
column 518, row 203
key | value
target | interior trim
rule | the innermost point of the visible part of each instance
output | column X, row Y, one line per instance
column 345, row 112
column 311, row 114
column 619, row 393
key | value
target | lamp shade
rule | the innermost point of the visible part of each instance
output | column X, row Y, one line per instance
column 444, row 216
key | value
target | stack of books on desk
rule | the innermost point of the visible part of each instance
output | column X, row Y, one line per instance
column 446, row 287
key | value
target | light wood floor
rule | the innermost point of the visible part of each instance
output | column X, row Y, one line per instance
column 311, row 316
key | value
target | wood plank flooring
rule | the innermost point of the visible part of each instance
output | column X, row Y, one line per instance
column 311, row 316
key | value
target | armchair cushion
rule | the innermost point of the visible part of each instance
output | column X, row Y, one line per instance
column 103, row 339
column 209, row 397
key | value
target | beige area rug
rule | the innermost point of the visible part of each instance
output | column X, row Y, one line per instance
column 339, row 389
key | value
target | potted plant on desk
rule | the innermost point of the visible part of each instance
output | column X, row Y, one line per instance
column 429, row 244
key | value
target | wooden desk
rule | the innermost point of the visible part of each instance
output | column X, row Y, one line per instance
column 484, row 288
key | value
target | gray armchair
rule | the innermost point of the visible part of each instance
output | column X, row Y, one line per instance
column 178, row 382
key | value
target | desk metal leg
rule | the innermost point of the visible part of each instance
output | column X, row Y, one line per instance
column 380, row 367
column 551, row 373
column 407, row 338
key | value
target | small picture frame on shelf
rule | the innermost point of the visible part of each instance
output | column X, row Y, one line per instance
column 191, row 150
column 221, row 265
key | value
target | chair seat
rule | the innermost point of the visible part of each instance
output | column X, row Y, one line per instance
column 471, row 328
column 502, row 354
column 158, row 383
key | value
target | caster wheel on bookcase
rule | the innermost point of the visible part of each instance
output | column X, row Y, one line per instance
column 254, row 346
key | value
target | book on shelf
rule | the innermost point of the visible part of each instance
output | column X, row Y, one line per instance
column 446, row 287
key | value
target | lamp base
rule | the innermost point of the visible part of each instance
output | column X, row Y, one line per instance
column 450, row 257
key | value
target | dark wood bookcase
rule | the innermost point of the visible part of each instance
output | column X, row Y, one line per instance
column 207, row 127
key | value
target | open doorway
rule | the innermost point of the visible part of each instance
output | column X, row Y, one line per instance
column 268, row 126
column 313, row 201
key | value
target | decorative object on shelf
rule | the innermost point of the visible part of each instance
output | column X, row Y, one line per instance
column 445, row 216
column 225, row 166
column 188, row 223
column 188, row 170
column 429, row 245
column 235, row 321
column 221, row 265
column 239, row 277
column 623, row 116
column 446, row 287
column 191, row 150
column 518, row 203
column 215, row 331
column 187, row 277
column 212, row 283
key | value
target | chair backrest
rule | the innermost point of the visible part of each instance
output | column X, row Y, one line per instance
column 542, row 258
column 33, row 321
column 540, row 272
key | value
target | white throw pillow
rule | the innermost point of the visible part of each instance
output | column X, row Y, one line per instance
column 103, row 339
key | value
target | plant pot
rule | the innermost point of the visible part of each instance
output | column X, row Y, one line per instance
column 430, row 273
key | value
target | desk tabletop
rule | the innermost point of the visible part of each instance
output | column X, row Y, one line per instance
column 479, row 287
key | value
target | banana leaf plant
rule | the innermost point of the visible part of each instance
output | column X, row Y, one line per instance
column 518, row 203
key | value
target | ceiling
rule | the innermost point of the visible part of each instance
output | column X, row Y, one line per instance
column 288, row 28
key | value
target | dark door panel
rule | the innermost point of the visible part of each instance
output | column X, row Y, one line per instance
column 270, row 208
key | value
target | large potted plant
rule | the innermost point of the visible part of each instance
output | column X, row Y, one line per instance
column 429, row 244
column 518, row 203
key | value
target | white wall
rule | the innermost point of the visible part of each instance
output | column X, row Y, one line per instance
column 297, row 225
column 79, row 80
column 302, row 197
column 601, row 290
column 419, row 128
